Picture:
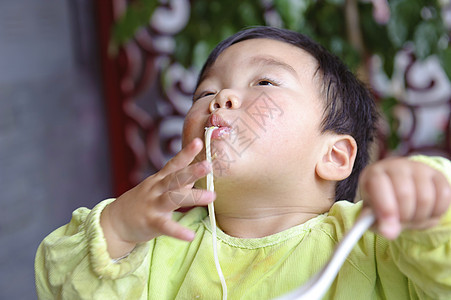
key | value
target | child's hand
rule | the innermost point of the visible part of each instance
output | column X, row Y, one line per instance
column 145, row 211
column 404, row 194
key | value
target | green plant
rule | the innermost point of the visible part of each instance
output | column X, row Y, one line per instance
column 416, row 22
column 346, row 27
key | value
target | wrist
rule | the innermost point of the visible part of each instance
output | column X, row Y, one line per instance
column 116, row 246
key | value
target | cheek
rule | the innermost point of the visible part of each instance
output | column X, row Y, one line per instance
column 191, row 127
column 295, row 130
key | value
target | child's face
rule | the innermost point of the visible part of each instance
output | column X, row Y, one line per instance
column 265, row 93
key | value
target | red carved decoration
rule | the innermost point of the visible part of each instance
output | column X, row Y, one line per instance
column 141, row 136
column 421, row 99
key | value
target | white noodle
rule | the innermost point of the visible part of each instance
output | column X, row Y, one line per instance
column 211, row 211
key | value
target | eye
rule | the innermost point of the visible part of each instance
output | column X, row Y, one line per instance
column 203, row 94
column 264, row 82
column 267, row 82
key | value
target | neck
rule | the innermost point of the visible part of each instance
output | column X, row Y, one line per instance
column 261, row 223
column 249, row 213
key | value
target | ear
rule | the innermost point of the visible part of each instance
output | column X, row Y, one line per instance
column 338, row 158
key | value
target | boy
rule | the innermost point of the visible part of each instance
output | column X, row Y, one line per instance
column 294, row 131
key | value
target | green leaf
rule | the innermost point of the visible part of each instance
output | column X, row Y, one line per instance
column 292, row 12
column 405, row 14
column 248, row 13
column 183, row 50
column 137, row 14
column 397, row 32
column 389, row 65
column 336, row 2
column 388, row 106
column 445, row 59
column 426, row 38
column 200, row 54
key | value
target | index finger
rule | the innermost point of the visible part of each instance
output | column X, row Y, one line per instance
column 183, row 158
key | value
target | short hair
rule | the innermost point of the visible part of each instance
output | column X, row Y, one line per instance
column 349, row 105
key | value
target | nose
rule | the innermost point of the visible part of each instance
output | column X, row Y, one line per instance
column 226, row 98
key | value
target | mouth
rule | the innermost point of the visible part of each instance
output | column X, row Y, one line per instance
column 223, row 127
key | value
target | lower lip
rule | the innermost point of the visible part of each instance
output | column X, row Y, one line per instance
column 220, row 133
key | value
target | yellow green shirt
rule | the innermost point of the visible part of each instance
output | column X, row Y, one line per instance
column 73, row 262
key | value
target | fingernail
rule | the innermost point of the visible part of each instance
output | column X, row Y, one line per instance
column 196, row 142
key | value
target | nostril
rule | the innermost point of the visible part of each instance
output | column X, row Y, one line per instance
column 228, row 104
column 216, row 105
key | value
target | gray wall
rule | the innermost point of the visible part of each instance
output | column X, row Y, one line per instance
column 53, row 143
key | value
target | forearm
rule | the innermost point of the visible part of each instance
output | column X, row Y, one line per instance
column 73, row 262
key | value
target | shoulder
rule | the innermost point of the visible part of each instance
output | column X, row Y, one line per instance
column 342, row 216
column 339, row 221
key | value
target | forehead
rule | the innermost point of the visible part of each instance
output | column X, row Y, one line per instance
column 264, row 51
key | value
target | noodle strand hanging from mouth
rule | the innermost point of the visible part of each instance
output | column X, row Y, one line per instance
column 211, row 210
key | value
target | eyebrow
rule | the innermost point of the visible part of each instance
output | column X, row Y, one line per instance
column 271, row 61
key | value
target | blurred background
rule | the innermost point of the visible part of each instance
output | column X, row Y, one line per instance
column 93, row 93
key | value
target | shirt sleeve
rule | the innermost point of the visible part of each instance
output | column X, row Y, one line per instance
column 73, row 263
column 425, row 256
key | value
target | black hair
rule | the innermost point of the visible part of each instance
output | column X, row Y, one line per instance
column 349, row 105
